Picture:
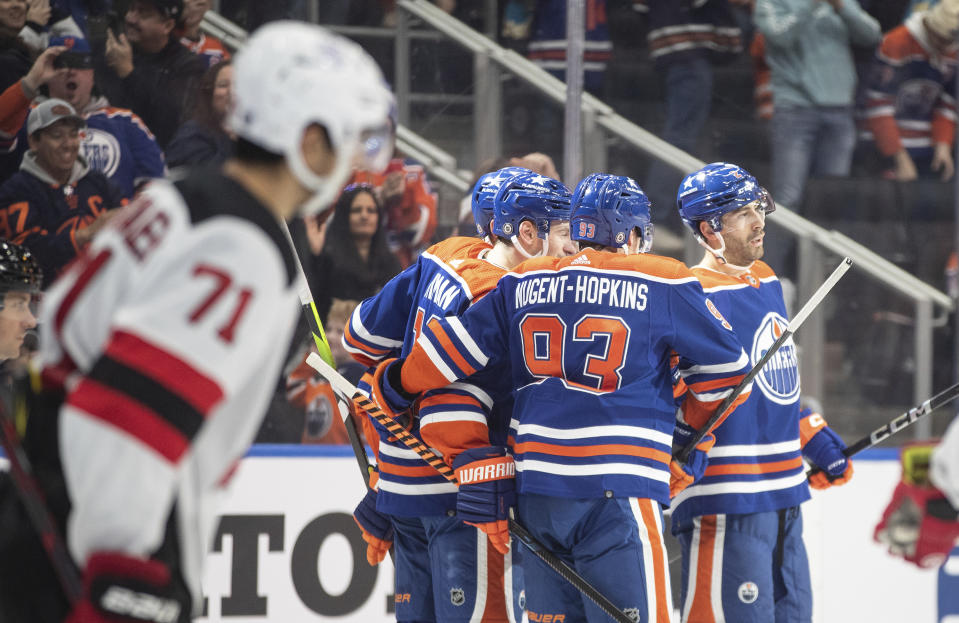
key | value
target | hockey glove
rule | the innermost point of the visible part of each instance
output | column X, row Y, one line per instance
column 487, row 490
column 824, row 449
column 682, row 475
column 376, row 527
column 123, row 589
column 919, row 524
column 386, row 390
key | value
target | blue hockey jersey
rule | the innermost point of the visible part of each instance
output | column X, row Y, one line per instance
column 587, row 341
column 118, row 144
column 44, row 216
column 548, row 43
column 445, row 279
column 756, row 464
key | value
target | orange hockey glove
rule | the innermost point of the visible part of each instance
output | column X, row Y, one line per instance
column 824, row 449
column 487, row 490
column 683, row 475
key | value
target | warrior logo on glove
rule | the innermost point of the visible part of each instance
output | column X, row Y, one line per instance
column 489, row 471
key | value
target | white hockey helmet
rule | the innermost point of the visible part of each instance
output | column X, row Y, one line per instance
column 290, row 75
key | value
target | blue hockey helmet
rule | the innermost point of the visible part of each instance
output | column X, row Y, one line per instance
column 533, row 197
column 714, row 190
column 484, row 195
column 606, row 208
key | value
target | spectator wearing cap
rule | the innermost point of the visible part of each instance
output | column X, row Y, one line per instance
column 207, row 47
column 910, row 110
column 147, row 70
column 55, row 203
column 115, row 141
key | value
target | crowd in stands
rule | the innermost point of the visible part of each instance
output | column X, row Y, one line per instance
column 97, row 97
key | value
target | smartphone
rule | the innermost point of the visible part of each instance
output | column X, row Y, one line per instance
column 98, row 25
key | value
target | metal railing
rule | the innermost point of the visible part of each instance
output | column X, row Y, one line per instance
column 440, row 164
column 599, row 120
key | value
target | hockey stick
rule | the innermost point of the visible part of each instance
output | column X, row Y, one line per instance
column 323, row 346
column 347, row 391
column 794, row 324
column 898, row 423
column 32, row 498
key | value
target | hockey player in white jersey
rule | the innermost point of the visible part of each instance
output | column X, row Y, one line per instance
column 162, row 344
column 920, row 523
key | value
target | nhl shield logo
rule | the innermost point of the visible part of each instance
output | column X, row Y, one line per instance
column 779, row 378
column 748, row 592
column 457, row 596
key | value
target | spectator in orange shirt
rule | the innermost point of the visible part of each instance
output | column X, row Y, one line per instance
column 410, row 206
column 910, row 110
column 308, row 391
column 207, row 47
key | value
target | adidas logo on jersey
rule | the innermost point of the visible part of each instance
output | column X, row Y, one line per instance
column 582, row 259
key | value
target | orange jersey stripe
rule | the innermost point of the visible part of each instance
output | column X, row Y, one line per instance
column 704, row 386
column 596, row 450
column 458, row 247
column 701, row 610
column 450, row 399
column 408, row 472
column 663, row 610
column 451, row 438
column 353, row 341
column 447, row 346
column 696, row 413
column 753, row 468
column 493, row 568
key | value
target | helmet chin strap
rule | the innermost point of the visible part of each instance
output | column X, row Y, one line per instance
column 523, row 252
column 719, row 253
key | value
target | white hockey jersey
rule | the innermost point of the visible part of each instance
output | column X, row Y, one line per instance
column 168, row 335
column 944, row 470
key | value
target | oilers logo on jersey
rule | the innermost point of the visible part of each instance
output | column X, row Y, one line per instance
column 779, row 378
column 101, row 150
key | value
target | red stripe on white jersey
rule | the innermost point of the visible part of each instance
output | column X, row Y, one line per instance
column 86, row 275
column 130, row 416
column 175, row 374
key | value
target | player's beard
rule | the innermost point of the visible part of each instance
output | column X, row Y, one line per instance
column 740, row 252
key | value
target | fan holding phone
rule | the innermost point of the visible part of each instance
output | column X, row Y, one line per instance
column 143, row 66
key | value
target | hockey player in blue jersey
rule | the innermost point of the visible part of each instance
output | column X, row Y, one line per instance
column 586, row 341
column 740, row 526
column 446, row 570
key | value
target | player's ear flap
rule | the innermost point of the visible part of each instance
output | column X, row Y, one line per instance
column 317, row 151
